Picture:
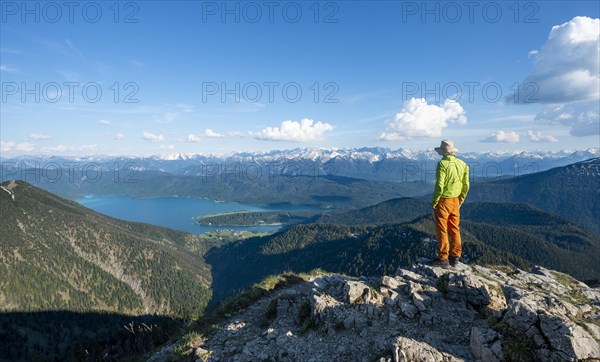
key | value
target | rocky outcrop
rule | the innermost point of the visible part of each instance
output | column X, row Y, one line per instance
column 467, row 313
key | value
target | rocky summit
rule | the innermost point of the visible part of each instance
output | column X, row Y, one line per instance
column 466, row 313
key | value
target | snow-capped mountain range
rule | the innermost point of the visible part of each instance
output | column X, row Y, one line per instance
column 372, row 163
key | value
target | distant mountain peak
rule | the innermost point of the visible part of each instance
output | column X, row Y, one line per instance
column 327, row 153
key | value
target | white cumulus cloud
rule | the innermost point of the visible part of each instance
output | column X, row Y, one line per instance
column 306, row 130
column 420, row 119
column 151, row 137
column 104, row 122
column 212, row 134
column 566, row 77
column 566, row 67
column 59, row 148
column 39, row 136
column 63, row 148
column 119, row 137
column 503, row 137
column 25, row 147
column 538, row 137
column 7, row 146
column 236, row 134
column 194, row 138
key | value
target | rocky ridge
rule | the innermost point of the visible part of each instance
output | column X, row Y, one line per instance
column 466, row 313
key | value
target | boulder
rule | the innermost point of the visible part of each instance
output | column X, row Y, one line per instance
column 357, row 292
column 569, row 340
column 391, row 282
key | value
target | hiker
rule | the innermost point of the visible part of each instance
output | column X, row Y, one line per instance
column 451, row 187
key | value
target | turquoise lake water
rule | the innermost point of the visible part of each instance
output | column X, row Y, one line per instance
column 174, row 212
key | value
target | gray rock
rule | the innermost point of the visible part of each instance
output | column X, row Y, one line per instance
column 572, row 340
column 322, row 305
column 496, row 350
column 594, row 330
column 357, row 292
column 419, row 302
column 391, row 282
column 424, row 298
column 409, row 350
column 412, row 276
column 357, row 323
column 408, row 310
column 392, row 299
column 475, row 290
column 486, row 345
column 545, row 318
column 414, row 288
column 326, row 281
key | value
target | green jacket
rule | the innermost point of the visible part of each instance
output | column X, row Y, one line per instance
column 451, row 179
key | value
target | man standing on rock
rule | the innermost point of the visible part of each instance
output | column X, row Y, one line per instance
column 451, row 187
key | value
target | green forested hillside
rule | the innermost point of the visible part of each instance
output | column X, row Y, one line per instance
column 529, row 237
column 388, row 212
column 58, row 255
column 70, row 279
column 571, row 191
column 534, row 234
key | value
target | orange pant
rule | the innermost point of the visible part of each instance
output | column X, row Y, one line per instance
column 447, row 218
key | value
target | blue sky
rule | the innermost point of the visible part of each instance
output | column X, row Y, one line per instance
column 201, row 77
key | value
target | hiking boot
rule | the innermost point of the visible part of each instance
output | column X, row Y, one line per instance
column 454, row 260
column 444, row 264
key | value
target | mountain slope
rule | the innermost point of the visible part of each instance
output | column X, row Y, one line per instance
column 380, row 247
column 572, row 191
column 407, row 209
column 468, row 313
column 388, row 212
column 58, row 255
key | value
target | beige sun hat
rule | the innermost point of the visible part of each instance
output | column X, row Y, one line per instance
column 446, row 148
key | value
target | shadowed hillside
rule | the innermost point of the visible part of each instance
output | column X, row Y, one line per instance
column 72, row 336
